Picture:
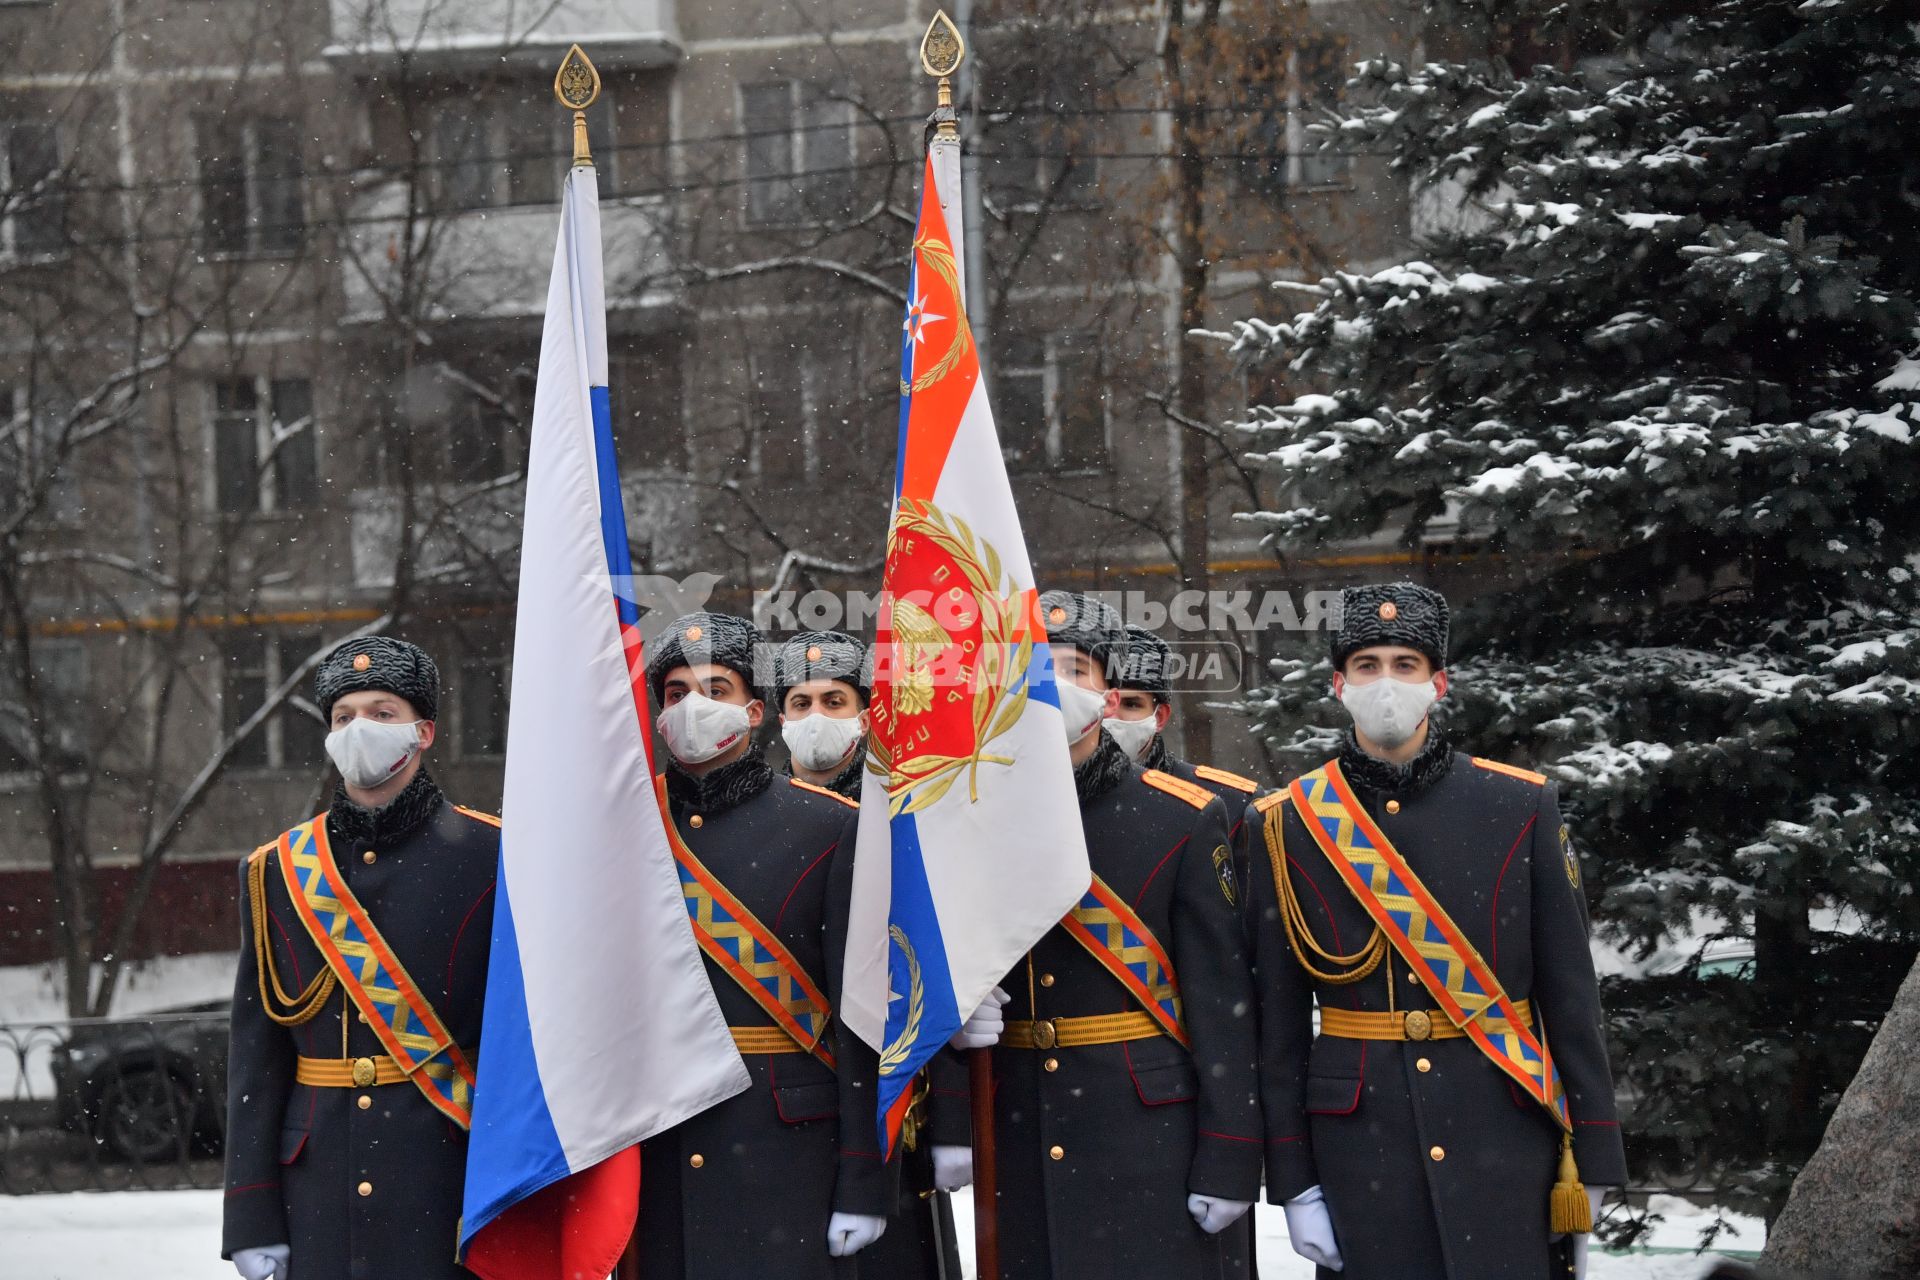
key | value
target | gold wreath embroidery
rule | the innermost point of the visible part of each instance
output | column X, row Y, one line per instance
column 897, row 1051
column 939, row 257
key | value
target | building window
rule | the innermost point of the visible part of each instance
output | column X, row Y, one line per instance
column 1050, row 403
column 1285, row 91
column 799, row 154
column 36, row 462
column 61, row 691
column 251, row 184
column 33, row 209
column 781, row 447
column 264, row 459
column 513, row 151
column 483, row 707
column 1037, row 152
column 254, row 663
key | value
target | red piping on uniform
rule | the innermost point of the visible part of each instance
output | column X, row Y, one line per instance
column 1331, row 922
column 1140, row 897
column 458, row 933
column 1493, row 956
column 796, row 884
column 773, row 1086
column 301, row 1146
column 1228, row 1137
column 292, row 955
column 864, row 1155
column 1134, row 1076
column 1614, row 1123
column 251, row 1186
column 1296, row 1137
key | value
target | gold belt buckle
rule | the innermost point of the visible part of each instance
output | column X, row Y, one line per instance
column 364, row 1072
column 1045, row 1034
column 1418, row 1025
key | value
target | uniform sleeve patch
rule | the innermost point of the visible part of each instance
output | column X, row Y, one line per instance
column 822, row 791
column 1223, row 872
column 488, row 818
column 1224, row 778
column 1192, row 792
column 1573, row 859
column 1266, row 803
column 1512, row 771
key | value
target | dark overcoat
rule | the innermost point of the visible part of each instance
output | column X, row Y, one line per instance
column 746, row 1188
column 1235, row 791
column 1100, row 1145
column 362, row 1184
column 1434, row 1166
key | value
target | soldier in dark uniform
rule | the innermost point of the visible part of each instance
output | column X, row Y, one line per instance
column 785, row 1179
column 823, row 682
column 1121, row 1150
column 337, row 1164
column 1398, row 1145
column 823, row 686
column 1139, row 724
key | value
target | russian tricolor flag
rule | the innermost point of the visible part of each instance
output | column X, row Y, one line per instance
column 970, row 846
column 601, row 1027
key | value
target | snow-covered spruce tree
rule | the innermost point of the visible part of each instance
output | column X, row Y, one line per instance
column 1669, row 386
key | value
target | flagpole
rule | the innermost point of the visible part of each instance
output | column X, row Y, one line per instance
column 942, row 50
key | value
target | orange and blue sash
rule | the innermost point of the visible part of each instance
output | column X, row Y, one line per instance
column 375, row 980
column 1119, row 939
column 748, row 952
column 1461, row 982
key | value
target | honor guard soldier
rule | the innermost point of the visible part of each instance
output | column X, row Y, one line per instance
column 1439, row 1125
column 1139, row 722
column 824, row 683
column 785, row 1179
column 1127, row 1123
column 349, row 1081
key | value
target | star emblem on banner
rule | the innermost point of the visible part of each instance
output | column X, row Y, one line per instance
column 918, row 318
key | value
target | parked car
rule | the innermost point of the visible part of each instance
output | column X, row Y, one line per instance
column 150, row 1088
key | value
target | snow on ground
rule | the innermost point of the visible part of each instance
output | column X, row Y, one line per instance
column 33, row 1009
column 175, row 1235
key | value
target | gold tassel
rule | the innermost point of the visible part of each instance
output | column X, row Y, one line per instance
column 1569, row 1212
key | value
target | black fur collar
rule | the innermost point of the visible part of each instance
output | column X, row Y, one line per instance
column 720, row 789
column 392, row 822
column 1102, row 771
column 1416, row 775
column 1158, row 757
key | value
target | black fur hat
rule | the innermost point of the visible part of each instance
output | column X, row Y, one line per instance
column 822, row 655
column 1145, row 665
column 719, row 638
column 1089, row 625
column 1396, row 613
column 379, row 662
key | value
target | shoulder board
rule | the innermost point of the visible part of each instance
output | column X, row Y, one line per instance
column 1179, row 788
column 1224, row 778
column 1512, row 771
column 1266, row 803
column 822, row 791
column 475, row 814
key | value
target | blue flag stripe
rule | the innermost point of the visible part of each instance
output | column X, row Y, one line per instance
column 912, row 912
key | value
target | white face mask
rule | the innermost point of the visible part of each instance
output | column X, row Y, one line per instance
column 1388, row 711
column 821, row 742
column 1079, row 708
column 369, row 752
column 1134, row 736
column 697, row 728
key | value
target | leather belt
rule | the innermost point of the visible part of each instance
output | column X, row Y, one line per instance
column 764, row 1040
column 348, row 1073
column 1409, row 1024
column 1069, row 1033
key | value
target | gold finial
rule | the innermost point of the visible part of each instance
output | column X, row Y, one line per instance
column 577, row 84
column 941, row 51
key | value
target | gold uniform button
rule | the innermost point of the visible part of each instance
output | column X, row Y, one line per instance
column 696, row 1160
column 1414, row 978
column 1051, row 1064
column 1046, row 979
column 1058, row 1153
column 366, row 1188
column 369, row 857
column 363, row 1019
column 1424, row 1066
column 365, row 1102
column 1438, row 1153
column 696, row 821
column 1393, row 806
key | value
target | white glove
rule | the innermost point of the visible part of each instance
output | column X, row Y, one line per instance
column 268, row 1262
column 982, row 1030
column 849, row 1233
column 1310, row 1229
column 1214, row 1214
column 952, row 1167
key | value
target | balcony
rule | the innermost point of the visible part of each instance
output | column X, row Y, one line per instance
column 453, row 37
column 493, row 264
